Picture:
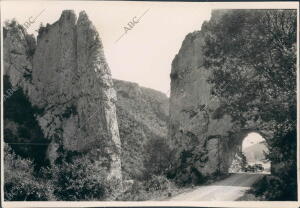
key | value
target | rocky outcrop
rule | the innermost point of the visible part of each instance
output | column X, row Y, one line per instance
column 192, row 105
column 142, row 116
column 20, row 124
column 66, row 77
column 196, row 121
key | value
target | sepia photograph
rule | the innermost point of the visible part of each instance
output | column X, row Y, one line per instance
column 148, row 101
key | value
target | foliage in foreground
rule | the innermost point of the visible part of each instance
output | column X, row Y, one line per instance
column 283, row 181
column 72, row 180
column 156, row 187
column 252, row 55
column 20, row 182
column 79, row 179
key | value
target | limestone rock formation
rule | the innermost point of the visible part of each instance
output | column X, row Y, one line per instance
column 194, row 122
column 66, row 77
column 142, row 116
column 18, row 49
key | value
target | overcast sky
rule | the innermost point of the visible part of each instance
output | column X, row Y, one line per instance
column 144, row 54
column 252, row 139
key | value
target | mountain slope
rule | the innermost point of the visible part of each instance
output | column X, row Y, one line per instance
column 255, row 152
column 142, row 115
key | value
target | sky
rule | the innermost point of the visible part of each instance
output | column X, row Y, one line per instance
column 145, row 52
column 252, row 139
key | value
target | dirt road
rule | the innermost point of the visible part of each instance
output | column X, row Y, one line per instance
column 229, row 189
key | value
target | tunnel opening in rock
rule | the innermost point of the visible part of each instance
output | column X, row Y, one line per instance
column 250, row 156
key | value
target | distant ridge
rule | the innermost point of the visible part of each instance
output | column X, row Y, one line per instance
column 255, row 152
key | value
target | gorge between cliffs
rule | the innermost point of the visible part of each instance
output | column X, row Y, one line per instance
column 74, row 133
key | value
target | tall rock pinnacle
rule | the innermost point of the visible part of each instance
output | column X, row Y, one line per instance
column 71, row 82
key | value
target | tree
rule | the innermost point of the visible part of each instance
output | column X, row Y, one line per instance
column 253, row 62
column 239, row 162
column 244, row 162
column 252, row 55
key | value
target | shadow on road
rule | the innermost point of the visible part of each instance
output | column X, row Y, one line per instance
column 240, row 179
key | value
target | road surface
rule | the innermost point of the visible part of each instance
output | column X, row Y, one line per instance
column 229, row 189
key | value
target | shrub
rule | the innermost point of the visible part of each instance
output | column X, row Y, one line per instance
column 277, row 187
column 20, row 183
column 157, row 183
column 146, row 190
column 157, row 158
column 22, row 189
column 80, row 179
column 269, row 187
column 137, row 192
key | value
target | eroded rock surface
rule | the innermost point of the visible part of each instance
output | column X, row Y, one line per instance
column 192, row 106
column 66, row 77
column 195, row 122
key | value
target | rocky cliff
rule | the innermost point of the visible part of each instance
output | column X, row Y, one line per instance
column 142, row 115
column 196, row 127
column 64, row 77
column 192, row 104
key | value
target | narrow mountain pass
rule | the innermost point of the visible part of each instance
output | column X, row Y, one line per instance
column 229, row 189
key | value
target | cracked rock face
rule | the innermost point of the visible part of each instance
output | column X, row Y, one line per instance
column 192, row 106
column 195, row 122
column 17, row 49
column 71, row 82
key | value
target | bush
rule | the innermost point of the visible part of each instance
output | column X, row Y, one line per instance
column 77, row 179
column 269, row 187
column 20, row 184
column 157, row 183
column 23, row 189
column 282, row 184
column 137, row 192
column 281, row 187
column 153, row 188
column 157, row 158
column 80, row 179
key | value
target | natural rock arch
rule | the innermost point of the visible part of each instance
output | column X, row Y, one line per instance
column 197, row 122
column 239, row 139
